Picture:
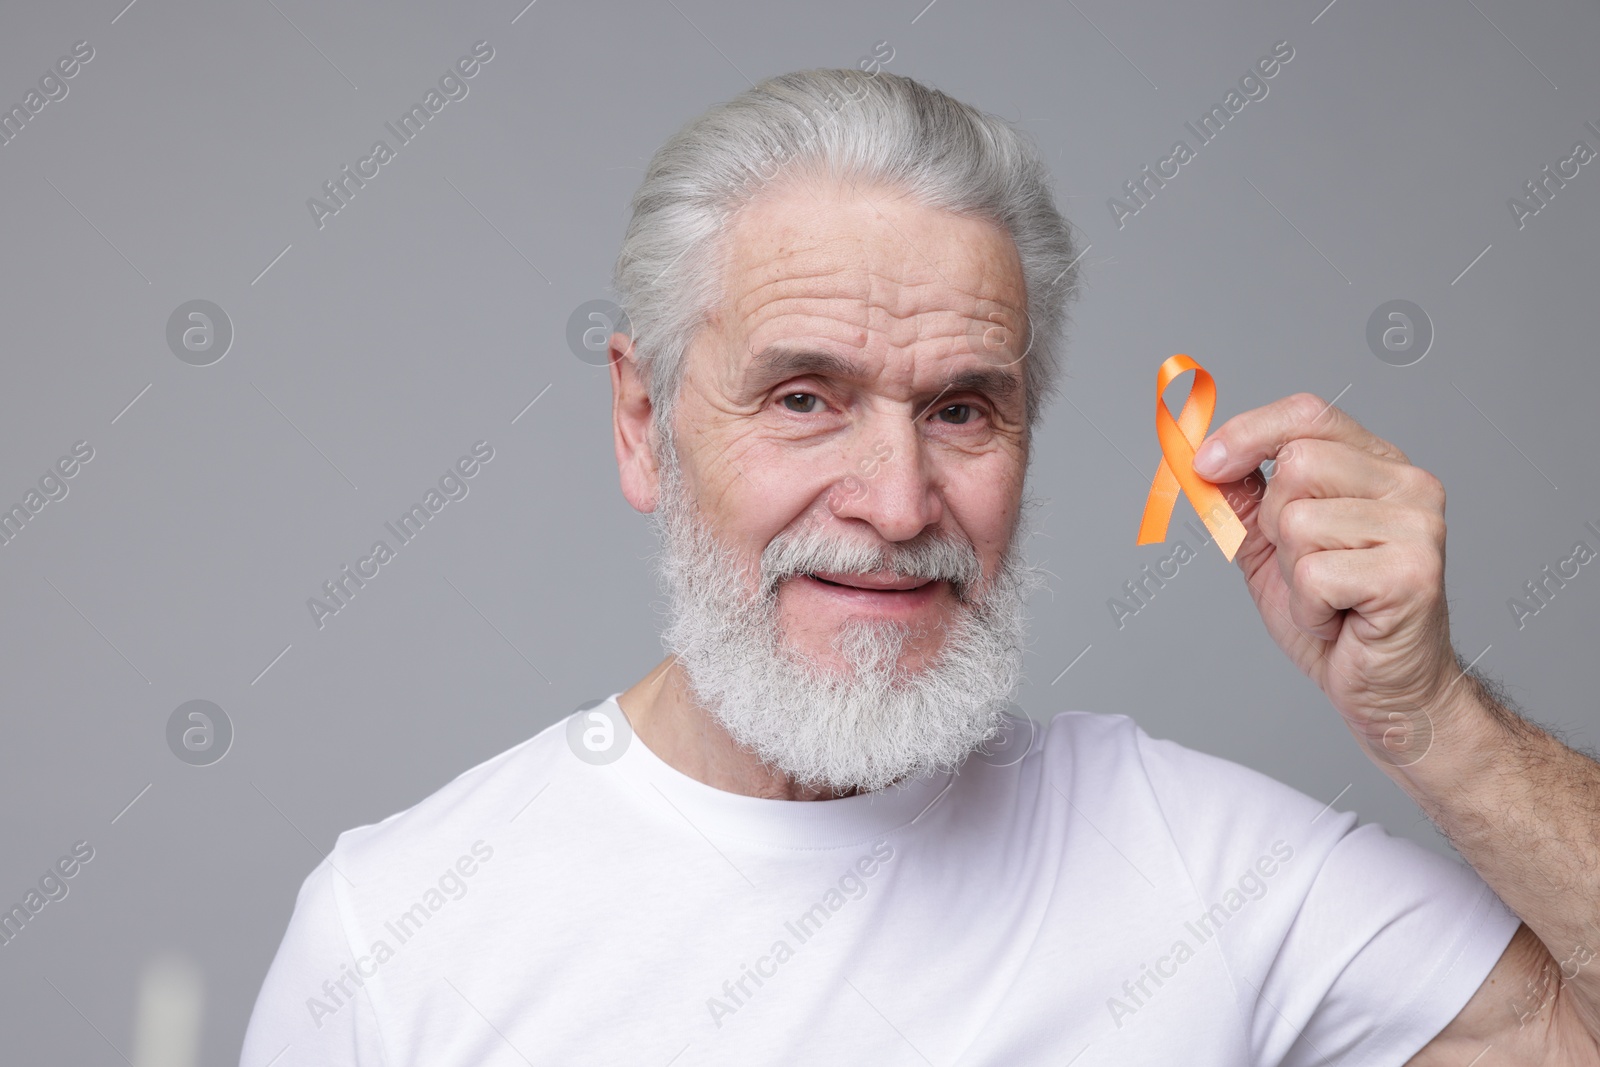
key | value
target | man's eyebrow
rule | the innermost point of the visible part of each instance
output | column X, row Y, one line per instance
column 991, row 381
column 777, row 363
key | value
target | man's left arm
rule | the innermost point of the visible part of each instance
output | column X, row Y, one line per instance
column 1344, row 557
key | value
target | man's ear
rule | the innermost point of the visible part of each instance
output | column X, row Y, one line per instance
column 632, row 421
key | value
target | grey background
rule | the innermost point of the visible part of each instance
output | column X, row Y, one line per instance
column 428, row 313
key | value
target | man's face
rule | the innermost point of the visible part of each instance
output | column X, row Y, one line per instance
column 915, row 432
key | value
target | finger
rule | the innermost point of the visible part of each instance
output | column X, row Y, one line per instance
column 1243, row 497
column 1327, row 584
column 1308, row 525
column 1325, row 470
column 1252, row 437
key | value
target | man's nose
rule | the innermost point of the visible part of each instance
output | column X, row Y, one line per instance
column 889, row 482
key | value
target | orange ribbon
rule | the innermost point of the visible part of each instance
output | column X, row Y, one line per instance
column 1179, row 440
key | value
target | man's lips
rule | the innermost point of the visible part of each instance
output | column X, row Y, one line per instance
column 882, row 595
column 878, row 581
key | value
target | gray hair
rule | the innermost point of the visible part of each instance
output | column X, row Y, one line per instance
column 881, row 128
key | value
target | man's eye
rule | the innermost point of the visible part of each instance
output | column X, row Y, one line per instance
column 965, row 409
column 807, row 399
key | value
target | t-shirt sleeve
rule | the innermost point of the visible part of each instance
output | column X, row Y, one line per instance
column 1345, row 944
column 1392, row 940
column 312, row 1008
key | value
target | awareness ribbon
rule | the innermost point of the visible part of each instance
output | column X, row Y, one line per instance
column 1179, row 440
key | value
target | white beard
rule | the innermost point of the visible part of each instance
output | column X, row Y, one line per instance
column 875, row 723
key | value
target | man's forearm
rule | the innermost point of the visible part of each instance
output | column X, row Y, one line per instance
column 1524, row 810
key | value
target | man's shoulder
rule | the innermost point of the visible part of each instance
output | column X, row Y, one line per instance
column 477, row 803
column 1104, row 731
column 1104, row 757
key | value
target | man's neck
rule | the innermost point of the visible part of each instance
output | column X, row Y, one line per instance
column 688, row 738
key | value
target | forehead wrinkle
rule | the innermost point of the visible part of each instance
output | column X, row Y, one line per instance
column 853, row 288
column 868, row 263
column 900, row 301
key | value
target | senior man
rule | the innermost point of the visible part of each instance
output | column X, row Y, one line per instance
column 812, row 833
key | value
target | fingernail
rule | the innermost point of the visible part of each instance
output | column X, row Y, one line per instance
column 1211, row 457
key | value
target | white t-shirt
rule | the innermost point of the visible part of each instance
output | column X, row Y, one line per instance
column 1104, row 898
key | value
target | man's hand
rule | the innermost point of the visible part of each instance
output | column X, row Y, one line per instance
column 1344, row 556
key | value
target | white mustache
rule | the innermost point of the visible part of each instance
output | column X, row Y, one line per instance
column 936, row 558
column 869, row 724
